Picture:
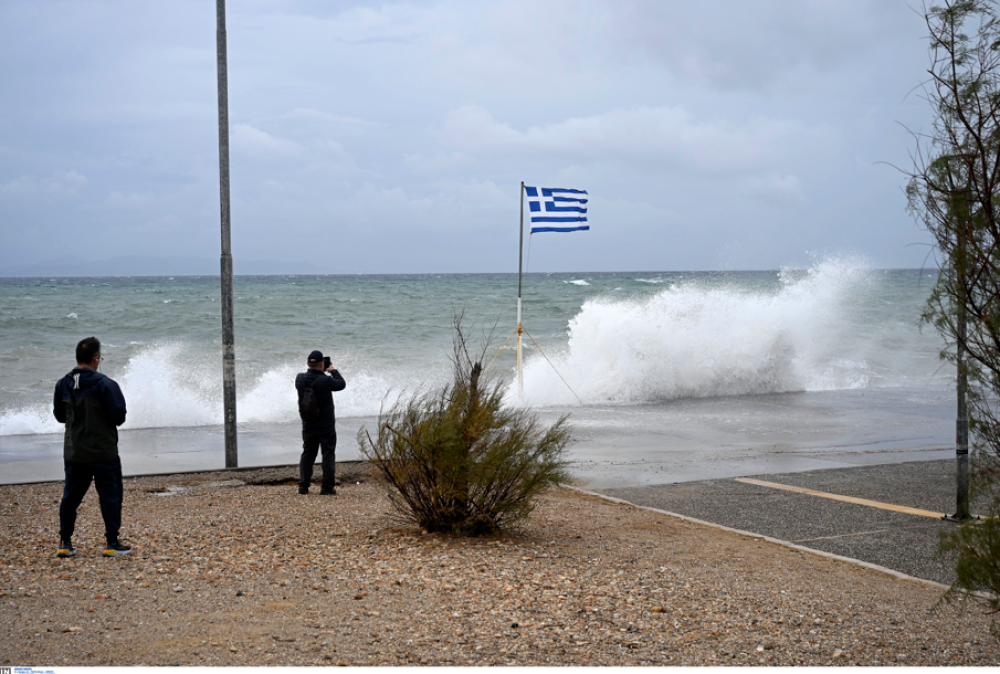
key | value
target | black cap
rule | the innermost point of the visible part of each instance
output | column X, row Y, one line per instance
column 315, row 357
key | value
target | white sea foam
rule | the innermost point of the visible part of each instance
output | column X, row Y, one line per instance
column 29, row 422
column 578, row 282
column 165, row 387
column 273, row 397
column 694, row 341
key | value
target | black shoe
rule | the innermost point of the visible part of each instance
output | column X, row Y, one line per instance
column 303, row 490
column 327, row 492
column 116, row 549
column 66, row 549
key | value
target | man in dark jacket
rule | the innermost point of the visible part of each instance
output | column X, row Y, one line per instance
column 324, row 380
column 92, row 407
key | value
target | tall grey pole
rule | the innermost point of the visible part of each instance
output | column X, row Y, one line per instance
column 961, row 210
column 962, row 422
column 226, row 260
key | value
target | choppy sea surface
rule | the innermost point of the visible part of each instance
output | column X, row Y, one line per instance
column 609, row 345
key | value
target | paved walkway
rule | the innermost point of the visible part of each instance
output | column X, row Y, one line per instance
column 887, row 515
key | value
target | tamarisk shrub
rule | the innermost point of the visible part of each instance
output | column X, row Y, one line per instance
column 460, row 460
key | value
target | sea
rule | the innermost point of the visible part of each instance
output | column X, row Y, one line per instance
column 666, row 376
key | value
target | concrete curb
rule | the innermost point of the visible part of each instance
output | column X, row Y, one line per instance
column 238, row 469
column 769, row 539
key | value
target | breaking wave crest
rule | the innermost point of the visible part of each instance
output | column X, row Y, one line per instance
column 817, row 330
column 164, row 388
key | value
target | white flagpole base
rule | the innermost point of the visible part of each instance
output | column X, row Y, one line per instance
column 520, row 377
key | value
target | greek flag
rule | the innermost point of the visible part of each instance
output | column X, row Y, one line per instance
column 557, row 210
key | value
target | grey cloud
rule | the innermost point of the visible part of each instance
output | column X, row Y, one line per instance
column 668, row 136
column 311, row 114
column 248, row 138
column 772, row 187
column 402, row 131
column 737, row 45
column 59, row 185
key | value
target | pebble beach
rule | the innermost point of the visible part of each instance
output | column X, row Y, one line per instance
column 235, row 568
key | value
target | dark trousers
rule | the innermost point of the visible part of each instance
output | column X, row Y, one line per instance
column 107, row 478
column 312, row 442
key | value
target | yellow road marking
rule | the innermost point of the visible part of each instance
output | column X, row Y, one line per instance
column 838, row 497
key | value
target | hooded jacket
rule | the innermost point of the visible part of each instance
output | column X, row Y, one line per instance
column 323, row 386
column 92, row 407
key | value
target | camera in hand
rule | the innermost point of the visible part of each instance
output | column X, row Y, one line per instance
column 326, row 363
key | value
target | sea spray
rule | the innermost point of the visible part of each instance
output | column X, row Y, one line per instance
column 163, row 384
column 816, row 330
column 29, row 421
column 167, row 386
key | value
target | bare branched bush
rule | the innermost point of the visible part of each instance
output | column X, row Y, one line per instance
column 458, row 459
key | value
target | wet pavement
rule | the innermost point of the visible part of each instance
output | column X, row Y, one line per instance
column 156, row 451
column 900, row 541
column 701, row 439
column 614, row 445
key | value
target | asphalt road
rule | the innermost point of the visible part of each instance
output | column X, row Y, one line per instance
column 897, row 540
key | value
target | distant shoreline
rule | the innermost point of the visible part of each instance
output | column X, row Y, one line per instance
column 6, row 275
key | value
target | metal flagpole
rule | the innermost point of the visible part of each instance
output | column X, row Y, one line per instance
column 226, row 260
column 520, row 257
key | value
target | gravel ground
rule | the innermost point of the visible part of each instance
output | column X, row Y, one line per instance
column 236, row 568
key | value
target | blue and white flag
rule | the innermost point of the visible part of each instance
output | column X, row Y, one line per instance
column 557, row 210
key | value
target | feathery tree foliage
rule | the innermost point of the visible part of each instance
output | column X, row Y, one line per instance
column 954, row 190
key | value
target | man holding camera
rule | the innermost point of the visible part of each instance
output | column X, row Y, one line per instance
column 315, row 387
column 92, row 407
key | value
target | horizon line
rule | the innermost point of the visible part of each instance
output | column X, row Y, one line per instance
column 452, row 273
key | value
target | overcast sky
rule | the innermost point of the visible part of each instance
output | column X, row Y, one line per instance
column 370, row 137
